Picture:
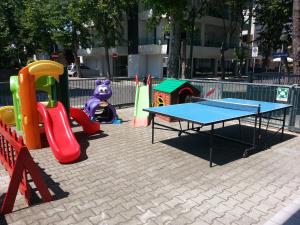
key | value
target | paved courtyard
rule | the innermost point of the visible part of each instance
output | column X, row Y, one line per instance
column 123, row 179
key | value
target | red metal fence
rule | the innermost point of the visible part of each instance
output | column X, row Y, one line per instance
column 19, row 164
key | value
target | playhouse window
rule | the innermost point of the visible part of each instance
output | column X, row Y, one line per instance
column 160, row 101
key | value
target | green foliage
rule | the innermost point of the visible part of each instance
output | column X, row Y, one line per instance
column 36, row 25
column 107, row 18
column 174, row 11
column 39, row 24
column 70, row 20
column 170, row 9
column 231, row 12
column 273, row 17
column 11, row 45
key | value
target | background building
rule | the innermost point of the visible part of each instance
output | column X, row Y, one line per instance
column 145, row 51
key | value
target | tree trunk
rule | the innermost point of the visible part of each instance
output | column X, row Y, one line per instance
column 183, row 60
column 286, row 66
column 222, row 51
column 249, row 36
column 108, row 75
column 192, row 44
column 77, row 64
column 296, row 36
column 174, row 52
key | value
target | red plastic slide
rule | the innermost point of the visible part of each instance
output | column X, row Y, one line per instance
column 90, row 127
column 59, row 133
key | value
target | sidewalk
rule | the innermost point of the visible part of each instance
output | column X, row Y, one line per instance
column 124, row 179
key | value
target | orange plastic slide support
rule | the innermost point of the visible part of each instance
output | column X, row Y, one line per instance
column 28, row 109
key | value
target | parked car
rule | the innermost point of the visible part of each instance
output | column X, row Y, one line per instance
column 85, row 71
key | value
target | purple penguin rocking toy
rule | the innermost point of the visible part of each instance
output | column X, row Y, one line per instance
column 98, row 108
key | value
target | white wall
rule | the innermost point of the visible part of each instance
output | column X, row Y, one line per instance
column 134, row 65
column 97, row 63
column 143, row 65
column 155, row 65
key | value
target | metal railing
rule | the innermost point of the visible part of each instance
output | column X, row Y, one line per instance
column 152, row 41
column 251, row 91
column 5, row 94
column 274, row 78
column 81, row 90
column 124, row 93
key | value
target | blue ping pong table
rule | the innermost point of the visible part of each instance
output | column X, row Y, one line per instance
column 210, row 112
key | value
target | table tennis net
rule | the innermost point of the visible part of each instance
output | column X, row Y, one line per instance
column 229, row 105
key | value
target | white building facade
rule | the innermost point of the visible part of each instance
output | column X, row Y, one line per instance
column 147, row 53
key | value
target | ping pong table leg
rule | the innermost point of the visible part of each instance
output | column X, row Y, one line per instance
column 254, row 139
column 240, row 128
column 152, row 125
column 211, row 142
column 259, row 130
column 283, row 124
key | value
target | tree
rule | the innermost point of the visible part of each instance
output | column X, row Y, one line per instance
column 174, row 12
column 196, row 10
column 36, row 25
column 62, row 22
column 107, row 17
column 11, row 43
column 71, row 23
column 272, row 16
column 245, row 50
column 231, row 13
column 296, row 36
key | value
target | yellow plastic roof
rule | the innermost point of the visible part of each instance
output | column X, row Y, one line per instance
column 46, row 68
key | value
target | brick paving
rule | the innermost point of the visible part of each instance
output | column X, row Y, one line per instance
column 124, row 179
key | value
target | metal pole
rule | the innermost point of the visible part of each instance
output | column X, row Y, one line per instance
column 283, row 123
column 152, row 119
column 211, row 142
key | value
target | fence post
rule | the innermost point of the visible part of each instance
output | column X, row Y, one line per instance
column 250, row 77
column 221, row 90
column 294, row 101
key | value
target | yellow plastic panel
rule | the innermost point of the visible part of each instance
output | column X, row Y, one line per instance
column 7, row 115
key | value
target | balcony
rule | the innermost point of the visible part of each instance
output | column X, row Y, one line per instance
column 100, row 51
column 152, row 41
column 196, row 42
column 210, row 42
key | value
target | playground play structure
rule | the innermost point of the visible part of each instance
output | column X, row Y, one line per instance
column 142, row 100
column 34, row 118
column 171, row 91
column 98, row 108
column 50, row 77
column 7, row 114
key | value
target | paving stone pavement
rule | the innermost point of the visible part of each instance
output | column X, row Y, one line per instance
column 124, row 179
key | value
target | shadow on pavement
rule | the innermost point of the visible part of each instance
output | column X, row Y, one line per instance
column 83, row 141
column 225, row 151
column 2, row 218
column 56, row 191
column 54, row 187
